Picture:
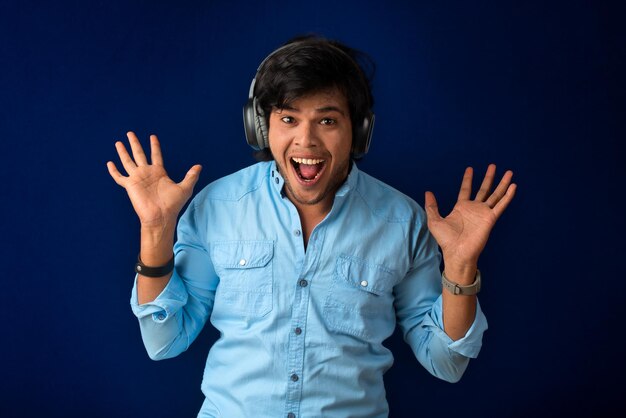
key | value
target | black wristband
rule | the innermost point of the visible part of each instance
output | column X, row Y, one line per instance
column 161, row 271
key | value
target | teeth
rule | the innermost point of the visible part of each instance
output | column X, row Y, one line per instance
column 307, row 161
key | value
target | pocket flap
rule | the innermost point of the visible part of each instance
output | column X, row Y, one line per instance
column 242, row 254
column 372, row 278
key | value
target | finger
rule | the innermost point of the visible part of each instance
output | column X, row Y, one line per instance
column 485, row 187
column 114, row 172
column 191, row 177
column 135, row 145
column 155, row 151
column 127, row 162
column 501, row 189
column 466, row 184
column 504, row 202
column 430, row 205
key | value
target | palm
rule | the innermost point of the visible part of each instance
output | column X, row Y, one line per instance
column 463, row 234
column 154, row 196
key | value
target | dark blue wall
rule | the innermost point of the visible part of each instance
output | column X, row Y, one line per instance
column 533, row 86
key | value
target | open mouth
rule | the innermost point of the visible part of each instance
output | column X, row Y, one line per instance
column 308, row 169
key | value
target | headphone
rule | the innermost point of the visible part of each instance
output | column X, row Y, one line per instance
column 256, row 129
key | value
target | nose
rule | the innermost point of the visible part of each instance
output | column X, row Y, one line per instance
column 307, row 135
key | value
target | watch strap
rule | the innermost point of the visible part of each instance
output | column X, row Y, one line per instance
column 160, row 271
column 457, row 289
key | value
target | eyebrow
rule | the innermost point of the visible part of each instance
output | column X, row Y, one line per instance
column 323, row 109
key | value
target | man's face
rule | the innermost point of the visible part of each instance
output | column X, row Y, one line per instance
column 310, row 140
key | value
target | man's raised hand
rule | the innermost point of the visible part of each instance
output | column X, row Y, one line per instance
column 155, row 197
column 463, row 234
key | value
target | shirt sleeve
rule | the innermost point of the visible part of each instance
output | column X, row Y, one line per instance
column 420, row 317
column 171, row 322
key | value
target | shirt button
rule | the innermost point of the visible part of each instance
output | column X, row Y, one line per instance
column 276, row 178
column 364, row 283
column 294, row 377
column 242, row 262
column 291, row 415
column 303, row 283
column 296, row 232
column 298, row 330
column 160, row 317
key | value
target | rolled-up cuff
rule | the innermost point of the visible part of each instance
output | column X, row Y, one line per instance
column 470, row 344
column 169, row 301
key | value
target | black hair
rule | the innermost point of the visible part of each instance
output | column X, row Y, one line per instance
column 309, row 64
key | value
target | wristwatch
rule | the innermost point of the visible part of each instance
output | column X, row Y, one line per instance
column 457, row 289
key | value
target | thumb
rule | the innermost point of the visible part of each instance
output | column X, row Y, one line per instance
column 430, row 205
column 191, row 178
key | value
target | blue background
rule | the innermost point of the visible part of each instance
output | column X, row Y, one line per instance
column 534, row 86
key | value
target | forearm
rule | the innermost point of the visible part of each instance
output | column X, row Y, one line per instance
column 444, row 352
column 172, row 310
column 156, row 250
column 459, row 311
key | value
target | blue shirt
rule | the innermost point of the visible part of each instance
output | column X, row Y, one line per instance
column 302, row 331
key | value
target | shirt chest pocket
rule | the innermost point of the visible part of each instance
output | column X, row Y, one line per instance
column 246, row 277
column 360, row 299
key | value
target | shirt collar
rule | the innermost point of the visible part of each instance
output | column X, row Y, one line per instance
column 350, row 182
column 276, row 179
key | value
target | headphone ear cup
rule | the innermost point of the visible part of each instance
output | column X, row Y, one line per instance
column 254, row 125
column 362, row 136
column 261, row 126
column 249, row 124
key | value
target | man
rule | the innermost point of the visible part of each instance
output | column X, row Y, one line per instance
column 303, row 263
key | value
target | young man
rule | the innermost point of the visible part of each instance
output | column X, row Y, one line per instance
column 303, row 263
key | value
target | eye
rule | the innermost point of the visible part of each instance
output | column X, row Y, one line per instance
column 287, row 119
column 328, row 121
